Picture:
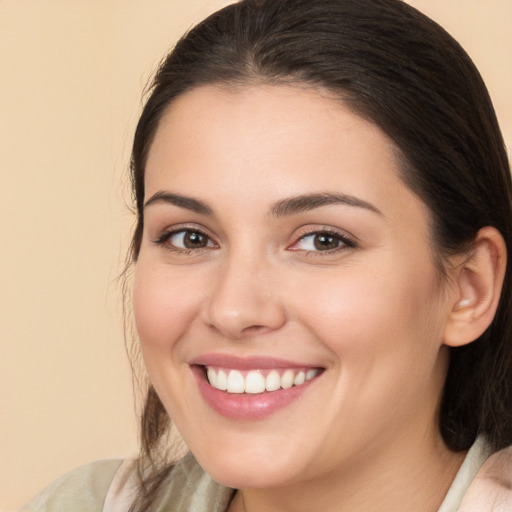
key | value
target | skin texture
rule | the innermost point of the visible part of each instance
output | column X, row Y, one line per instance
column 372, row 313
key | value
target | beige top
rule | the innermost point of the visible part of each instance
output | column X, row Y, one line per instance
column 482, row 484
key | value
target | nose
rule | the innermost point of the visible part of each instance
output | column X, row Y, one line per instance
column 244, row 301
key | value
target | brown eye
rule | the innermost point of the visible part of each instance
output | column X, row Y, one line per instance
column 189, row 239
column 193, row 240
column 325, row 242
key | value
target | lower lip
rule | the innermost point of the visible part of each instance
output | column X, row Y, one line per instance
column 244, row 406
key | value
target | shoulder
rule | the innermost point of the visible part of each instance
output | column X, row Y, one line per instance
column 187, row 488
column 111, row 485
column 491, row 489
column 83, row 488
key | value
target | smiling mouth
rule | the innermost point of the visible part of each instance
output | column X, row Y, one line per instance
column 258, row 381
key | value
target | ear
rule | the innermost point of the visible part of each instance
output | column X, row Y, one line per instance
column 478, row 281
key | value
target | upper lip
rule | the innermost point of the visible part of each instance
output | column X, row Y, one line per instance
column 246, row 363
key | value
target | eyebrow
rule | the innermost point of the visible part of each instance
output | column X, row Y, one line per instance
column 188, row 203
column 306, row 202
column 282, row 208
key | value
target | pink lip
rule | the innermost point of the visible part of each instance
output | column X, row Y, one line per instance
column 245, row 406
column 245, row 363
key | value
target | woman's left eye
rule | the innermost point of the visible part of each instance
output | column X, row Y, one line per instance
column 322, row 241
column 186, row 240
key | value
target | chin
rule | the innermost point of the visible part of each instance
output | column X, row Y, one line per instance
column 243, row 472
column 246, row 478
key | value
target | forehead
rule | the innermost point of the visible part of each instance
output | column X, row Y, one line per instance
column 275, row 140
column 260, row 112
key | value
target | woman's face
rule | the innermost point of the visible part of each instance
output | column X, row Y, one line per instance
column 281, row 248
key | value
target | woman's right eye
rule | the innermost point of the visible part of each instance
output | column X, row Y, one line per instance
column 186, row 240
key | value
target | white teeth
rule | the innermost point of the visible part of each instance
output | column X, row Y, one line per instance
column 287, row 379
column 222, row 381
column 212, row 378
column 254, row 382
column 273, row 381
column 311, row 374
column 300, row 378
column 235, row 382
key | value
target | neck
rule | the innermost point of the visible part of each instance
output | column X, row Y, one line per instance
column 413, row 476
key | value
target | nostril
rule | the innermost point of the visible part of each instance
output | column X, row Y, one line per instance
column 254, row 329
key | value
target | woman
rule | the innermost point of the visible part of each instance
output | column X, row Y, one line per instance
column 321, row 287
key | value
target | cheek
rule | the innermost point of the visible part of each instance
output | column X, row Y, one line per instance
column 384, row 339
column 362, row 313
column 163, row 307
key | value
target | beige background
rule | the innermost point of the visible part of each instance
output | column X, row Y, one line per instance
column 71, row 76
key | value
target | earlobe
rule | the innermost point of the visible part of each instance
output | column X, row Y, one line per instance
column 478, row 284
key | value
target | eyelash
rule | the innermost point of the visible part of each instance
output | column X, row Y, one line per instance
column 167, row 235
column 344, row 241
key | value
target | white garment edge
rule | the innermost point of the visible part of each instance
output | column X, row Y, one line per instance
column 123, row 488
column 491, row 489
column 476, row 456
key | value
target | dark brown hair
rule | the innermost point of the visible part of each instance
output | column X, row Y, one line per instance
column 397, row 68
